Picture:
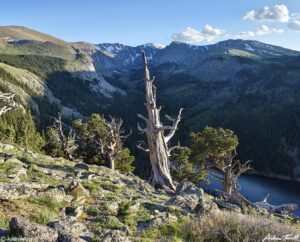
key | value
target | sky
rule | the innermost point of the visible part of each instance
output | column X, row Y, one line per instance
column 135, row 22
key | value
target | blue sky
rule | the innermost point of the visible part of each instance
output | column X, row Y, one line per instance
column 135, row 22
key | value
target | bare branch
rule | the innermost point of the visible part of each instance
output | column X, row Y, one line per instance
column 142, row 117
column 239, row 169
column 140, row 147
column 127, row 135
column 173, row 148
column 174, row 126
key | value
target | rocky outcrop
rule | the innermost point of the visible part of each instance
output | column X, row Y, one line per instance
column 19, row 191
column 70, row 228
column 28, row 230
column 187, row 197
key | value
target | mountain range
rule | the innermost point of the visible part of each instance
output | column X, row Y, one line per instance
column 245, row 85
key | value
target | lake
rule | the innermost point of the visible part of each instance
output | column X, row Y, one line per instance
column 255, row 188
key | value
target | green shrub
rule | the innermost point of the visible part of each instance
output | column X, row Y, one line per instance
column 109, row 222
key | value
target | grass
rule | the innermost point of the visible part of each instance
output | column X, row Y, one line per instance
column 234, row 227
column 4, row 221
column 225, row 227
column 109, row 222
column 47, row 202
column 42, row 217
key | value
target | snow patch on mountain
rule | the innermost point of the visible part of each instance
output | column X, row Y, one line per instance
column 248, row 47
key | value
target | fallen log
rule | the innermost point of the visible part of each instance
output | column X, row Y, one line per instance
column 276, row 208
column 239, row 199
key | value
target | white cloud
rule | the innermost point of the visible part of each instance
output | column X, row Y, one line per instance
column 190, row 35
column 261, row 30
column 294, row 24
column 278, row 13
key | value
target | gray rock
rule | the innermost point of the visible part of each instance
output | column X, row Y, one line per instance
column 71, row 238
column 19, row 191
column 186, row 188
column 56, row 193
column 228, row 206
column 206, row 207
column 113, row 236
column 160, row 219
column 187, row 204
column 83, row 166
column 28, row 230
column 69, row 227
column 187, row 197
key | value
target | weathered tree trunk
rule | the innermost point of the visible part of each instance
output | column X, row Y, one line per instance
column 227, row 180
column 111, row 163
column 276, row 208
column 157, row 142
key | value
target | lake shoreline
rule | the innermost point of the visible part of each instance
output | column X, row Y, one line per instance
column 272, row 175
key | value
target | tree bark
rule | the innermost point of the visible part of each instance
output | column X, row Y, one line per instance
column 227, row 180
column 157, row 142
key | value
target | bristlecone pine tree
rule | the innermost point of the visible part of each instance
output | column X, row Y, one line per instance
column 108, row 147
column 231, row 170
column 67, row 143
column 7, row 99
column 158, row 148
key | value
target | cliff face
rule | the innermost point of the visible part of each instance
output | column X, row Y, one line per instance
column 52, row 199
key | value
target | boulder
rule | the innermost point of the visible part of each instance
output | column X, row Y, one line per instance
column 29, row 230
column 68, row 227
column 206, row 207
column 56, row 193
column 160, row 219
column 70, row 238
column 187, row 196
column 19, row 190
column 186, row 188
column 108, row 235
column 187, row 204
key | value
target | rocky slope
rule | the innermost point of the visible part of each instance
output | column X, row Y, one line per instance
column 52, row 199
